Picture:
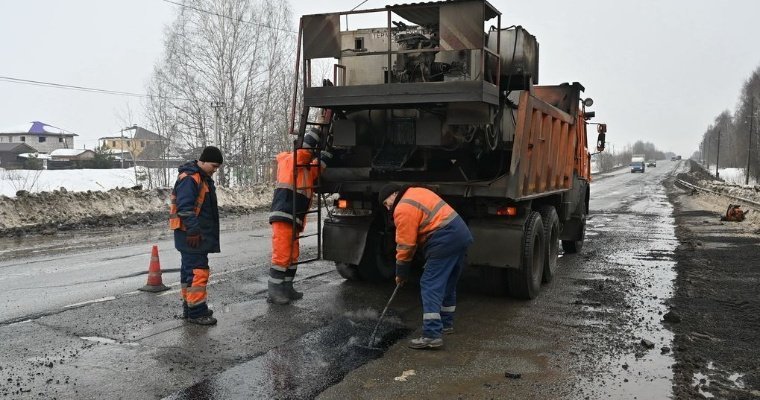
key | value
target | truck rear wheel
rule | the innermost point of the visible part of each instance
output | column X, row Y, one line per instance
column 551, row 234
column 375, row 265
column 575, row 246
column 349, row 272
column 525, row 282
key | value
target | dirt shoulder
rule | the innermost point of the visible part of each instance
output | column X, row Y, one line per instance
column 61, row 210
column 715, row 313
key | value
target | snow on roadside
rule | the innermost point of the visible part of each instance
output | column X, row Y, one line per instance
column 70, row 199
column 74, row 180
column 718, row 202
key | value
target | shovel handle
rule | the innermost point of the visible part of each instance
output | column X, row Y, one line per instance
column 374, row 331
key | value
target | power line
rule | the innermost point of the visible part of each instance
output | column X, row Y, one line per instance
column 81, row 88
column 200, row 10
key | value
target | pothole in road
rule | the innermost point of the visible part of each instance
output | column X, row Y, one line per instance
column 306, row 366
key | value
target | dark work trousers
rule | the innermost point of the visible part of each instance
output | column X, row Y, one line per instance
column 194, row 274
column 438, row 286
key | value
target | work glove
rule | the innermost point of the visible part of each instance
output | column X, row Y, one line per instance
column 194, row 240
column 402, row 273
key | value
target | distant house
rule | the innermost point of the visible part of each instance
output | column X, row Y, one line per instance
column 71, row 155
column 42, row 137
column 140, row 143
column 9, row 154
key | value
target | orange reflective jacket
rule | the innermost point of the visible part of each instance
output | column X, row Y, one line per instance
column 175, row 222
column 418, row 214
column 284, row 197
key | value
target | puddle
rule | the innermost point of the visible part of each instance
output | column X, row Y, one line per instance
column 303, row 368
column 644, row 266
column 98, row 339
column 105, row 340
column 702, row 381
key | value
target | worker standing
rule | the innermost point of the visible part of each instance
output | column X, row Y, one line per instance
column 424, row 220
column 194, row 217
column 285, row 250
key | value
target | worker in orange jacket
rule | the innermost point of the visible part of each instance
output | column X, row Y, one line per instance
column 194, row 217
column 285, row 244
column 425, row 221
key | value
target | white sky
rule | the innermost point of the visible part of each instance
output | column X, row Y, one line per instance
column 659, row 71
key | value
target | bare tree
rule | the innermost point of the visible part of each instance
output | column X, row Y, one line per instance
column 739, row 138
column 236, row 55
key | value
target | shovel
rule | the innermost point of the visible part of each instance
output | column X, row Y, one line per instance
column 370, row 346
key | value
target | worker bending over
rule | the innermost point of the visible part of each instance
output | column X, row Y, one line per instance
column 424, row 220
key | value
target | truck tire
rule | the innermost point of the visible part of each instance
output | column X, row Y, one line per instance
column 575, row 246
column 376, row 266
column 525, row 282
column 349, row 272
column 551, row 234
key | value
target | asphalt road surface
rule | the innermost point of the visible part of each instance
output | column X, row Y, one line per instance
column 73, row 326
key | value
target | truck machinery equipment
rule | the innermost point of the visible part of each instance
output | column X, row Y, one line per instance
column 437, row 100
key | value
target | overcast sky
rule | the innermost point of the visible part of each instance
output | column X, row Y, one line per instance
column 658, row 70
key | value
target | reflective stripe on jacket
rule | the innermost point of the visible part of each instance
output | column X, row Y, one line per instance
column 417, row 215
column 175, row 222
column 284, row 197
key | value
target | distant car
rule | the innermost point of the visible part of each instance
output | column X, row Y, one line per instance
column 651, row 163
column 674, row 158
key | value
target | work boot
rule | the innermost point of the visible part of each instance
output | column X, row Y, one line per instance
column 203, row 320
column 293, row 294
column 209, row 313
column 448, row 331
column 426, row 343
column 278, row 294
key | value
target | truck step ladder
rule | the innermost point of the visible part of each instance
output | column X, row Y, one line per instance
column 324, row 128
column 304, row 77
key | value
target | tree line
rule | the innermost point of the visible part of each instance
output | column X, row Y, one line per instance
column 731, row 141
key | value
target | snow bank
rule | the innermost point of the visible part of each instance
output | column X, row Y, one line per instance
column 81, row 206
column 74, row 180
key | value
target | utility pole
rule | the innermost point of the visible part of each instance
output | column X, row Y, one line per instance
column 218, row 106
column 717, row 157
column 702, row 156
column 749, row 148
column 121, row 145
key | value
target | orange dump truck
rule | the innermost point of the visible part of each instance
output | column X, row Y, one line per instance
column 434, row 99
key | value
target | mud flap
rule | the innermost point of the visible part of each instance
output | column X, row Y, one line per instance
column 344, row 239
column 573, row 228
column 497, row 243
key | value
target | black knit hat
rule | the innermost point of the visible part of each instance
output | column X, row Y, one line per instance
column 211, row 154
column 386, row 191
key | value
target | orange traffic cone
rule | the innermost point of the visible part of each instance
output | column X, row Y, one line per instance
column 154, row 274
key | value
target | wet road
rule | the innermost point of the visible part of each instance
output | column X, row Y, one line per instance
column 581, row 338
